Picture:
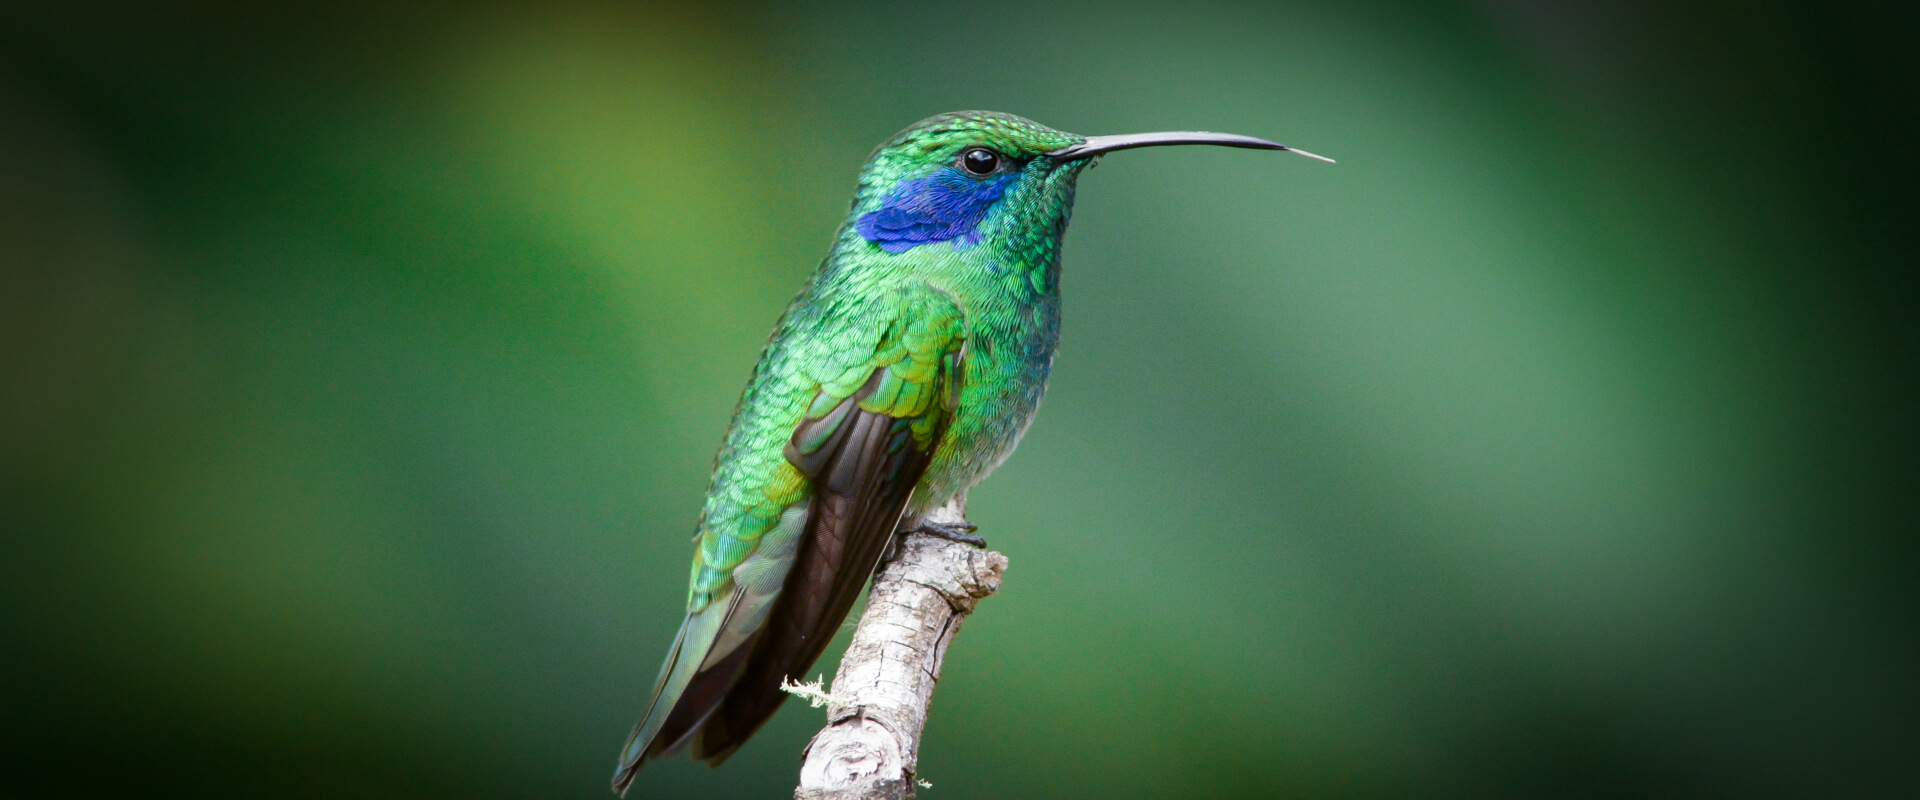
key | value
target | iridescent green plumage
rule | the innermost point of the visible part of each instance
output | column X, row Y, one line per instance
column 905, row 371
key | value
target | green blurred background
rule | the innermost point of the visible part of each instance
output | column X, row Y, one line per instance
column 363, row 367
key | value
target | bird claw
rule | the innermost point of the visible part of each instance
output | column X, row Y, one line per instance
column 962, row 532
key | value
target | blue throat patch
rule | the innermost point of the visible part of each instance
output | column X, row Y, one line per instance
column 940, row 207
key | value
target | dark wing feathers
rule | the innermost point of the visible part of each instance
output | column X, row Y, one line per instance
column 860, row 491
column 863, row 448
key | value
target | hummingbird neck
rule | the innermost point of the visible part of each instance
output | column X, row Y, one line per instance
column 1024, row 232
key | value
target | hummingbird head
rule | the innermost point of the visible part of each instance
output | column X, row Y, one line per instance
column 961, row 178
column 958, row 178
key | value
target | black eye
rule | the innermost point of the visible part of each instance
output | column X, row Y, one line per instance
column 979, row 161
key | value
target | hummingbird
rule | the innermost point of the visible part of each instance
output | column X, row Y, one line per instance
column 904, row 372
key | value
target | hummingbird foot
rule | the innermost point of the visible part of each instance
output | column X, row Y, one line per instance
column 958, row 530
column 962, row 532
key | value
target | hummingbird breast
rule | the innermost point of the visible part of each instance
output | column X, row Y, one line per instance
column 1010, row 349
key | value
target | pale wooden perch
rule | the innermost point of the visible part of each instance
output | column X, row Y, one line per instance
column 878, row 706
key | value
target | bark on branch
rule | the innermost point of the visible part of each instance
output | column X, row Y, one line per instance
column 871, row 745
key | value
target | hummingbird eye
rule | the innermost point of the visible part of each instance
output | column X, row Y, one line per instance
column 979, row 161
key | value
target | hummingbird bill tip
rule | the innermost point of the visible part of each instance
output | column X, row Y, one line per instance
column 1298, row 151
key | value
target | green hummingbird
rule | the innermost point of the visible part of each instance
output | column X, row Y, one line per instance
column 905, row 371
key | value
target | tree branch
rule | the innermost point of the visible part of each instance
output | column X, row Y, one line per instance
column 871, row 745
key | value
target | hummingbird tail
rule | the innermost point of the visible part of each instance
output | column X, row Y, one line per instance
column 682, row 689
column 711, row 650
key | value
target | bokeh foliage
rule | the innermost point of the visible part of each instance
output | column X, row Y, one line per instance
column 364, row 366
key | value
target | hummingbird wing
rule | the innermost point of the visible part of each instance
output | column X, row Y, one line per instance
column 765, row 605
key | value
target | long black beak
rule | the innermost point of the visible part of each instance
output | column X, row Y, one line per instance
column 1095, row 145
